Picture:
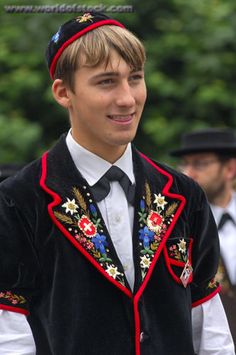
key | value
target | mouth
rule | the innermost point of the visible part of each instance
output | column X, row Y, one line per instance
column 123, row 119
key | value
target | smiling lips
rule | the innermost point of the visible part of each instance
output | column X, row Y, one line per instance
column 122, row 118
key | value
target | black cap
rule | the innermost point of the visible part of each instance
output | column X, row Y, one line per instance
column 221, row 141
column 72, row 30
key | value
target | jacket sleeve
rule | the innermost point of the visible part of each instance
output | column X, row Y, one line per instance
column 205, row 254
column 18, row 258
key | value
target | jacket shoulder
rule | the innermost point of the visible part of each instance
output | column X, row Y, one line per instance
column 24, row 183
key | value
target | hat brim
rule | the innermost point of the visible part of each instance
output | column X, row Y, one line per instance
column 207, row 149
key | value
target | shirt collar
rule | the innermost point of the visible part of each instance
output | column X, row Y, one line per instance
column 92, row 167
column 230, row 208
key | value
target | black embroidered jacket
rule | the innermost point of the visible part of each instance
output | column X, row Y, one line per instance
column 59, row 267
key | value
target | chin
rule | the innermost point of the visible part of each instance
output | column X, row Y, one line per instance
column 124, row 141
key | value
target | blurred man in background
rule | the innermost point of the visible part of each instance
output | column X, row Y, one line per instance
column 209, row 157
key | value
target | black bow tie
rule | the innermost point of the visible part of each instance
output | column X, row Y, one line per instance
column 102, row 188
column 225, row 218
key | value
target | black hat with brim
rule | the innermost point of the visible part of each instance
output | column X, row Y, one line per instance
column 220, row 141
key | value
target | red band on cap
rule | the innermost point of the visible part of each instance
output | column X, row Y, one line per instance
column 76, row 36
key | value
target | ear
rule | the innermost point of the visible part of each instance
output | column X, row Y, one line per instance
column 231, row 168
column 61, row 93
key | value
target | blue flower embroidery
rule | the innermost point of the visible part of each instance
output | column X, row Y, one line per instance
column 142, row 205
column 100, row 243
column 146, row 236
column 93, row 210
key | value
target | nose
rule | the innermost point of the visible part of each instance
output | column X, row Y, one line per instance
column 125, row 96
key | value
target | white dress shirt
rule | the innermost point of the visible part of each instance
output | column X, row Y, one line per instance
column 211, row 335
column 227, row 235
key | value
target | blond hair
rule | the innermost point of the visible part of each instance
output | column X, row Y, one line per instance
column 94, row 48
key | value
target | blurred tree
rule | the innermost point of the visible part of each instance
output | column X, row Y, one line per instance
column 18, row 140
column 190, row 70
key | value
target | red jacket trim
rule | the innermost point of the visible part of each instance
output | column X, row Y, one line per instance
column 14, row 309
column 207, row 298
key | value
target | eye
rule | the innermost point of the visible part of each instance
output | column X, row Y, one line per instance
column 106, row 82
column 136, row 77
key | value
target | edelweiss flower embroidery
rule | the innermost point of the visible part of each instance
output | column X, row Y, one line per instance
column 145, row 262
column 70, row 206
column 86, row 17
column 112, row 271
column 182, row 246
column 160, row 201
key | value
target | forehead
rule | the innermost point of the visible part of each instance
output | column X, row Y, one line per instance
column 114, row 64
column 199, row 156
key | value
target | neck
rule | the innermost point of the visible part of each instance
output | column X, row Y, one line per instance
column 223, row 199
column 109, row 153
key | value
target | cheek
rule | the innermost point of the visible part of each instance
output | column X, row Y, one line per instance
column 143, row 93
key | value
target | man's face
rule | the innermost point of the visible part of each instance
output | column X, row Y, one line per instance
column 208, row 171
column 106, row 106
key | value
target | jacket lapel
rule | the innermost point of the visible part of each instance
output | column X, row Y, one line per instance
column 75, row 213
column 157, row 211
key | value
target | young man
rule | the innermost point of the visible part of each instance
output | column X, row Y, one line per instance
column 209, row 157
column 104, row 250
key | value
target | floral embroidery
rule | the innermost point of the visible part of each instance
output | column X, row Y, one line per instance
column 213, row 283
column 179, row 251
column 12, row 298
column 112, row 271
column 147, row 237
column 211, row 286
column 86, row 17
column 82, row 220
column 182, row 246
column 145, row 262
column 223, row 280
column 160, row 201
column 70, row 206
column 154, row 221
column 80, row 216
column 155, row 214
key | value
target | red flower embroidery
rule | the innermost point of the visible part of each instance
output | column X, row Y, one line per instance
column 154, row 221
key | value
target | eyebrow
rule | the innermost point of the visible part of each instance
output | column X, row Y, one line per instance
column 103, row 75
column 112, row 73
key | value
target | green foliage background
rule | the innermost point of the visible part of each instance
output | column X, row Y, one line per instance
column 190, row 73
